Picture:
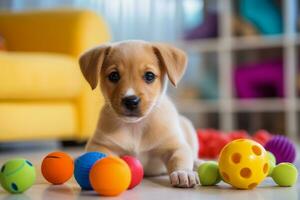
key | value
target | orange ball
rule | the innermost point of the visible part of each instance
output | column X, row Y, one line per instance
column 110, row 176
column 57, row 167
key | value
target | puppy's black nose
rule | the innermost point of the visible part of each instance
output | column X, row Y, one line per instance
column 131, row 102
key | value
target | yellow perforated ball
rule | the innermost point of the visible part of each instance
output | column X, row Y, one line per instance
column 243, row 164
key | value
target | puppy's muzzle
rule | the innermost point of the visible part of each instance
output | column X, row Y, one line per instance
column 131, row 103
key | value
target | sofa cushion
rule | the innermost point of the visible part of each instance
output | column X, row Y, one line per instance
column 39, row 76
column 23, row 120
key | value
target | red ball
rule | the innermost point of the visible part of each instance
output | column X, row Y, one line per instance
column 211, row 143
column 238, row 134
column 262, row 137
column 136, row 168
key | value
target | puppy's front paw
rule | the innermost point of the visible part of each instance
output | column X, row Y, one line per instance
column 184, row 178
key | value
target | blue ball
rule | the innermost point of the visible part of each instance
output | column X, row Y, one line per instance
column 83, row 165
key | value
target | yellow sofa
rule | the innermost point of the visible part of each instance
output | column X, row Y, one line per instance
column 42, row 92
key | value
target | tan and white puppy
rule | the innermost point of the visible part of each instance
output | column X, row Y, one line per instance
column 138, row 118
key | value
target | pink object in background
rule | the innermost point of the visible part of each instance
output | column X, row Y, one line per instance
column 258, row 80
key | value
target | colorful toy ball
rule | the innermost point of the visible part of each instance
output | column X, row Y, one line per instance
column 243, row 163
column 285, row 174
column 282, row 148
column 208, row 173
column 17, row 175
column 136, row 169
column 110, row 176
column 83, row 165
column 57, row 167
column 238, row 134
column 262, row 136
column 211, row 142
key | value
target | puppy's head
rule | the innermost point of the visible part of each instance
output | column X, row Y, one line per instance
column 132, row 74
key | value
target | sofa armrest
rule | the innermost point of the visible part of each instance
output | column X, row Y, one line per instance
column 89, row 105
column 62, row 31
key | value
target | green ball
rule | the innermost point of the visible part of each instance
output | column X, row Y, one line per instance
column 209, row 174
column 272, row 162
column 271, row 157
column 285, row 174
column 17, row 175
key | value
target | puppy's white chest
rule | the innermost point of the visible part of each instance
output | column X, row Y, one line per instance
column 153, row 165
column 134, row 136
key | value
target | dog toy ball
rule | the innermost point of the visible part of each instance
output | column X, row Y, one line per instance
column 57, row 167
column 136, row 169
column 282, row 148
column 262, row 136
column 110, row 176
column 271, row 157
column 285, row 174
column 243, row 163
column 83, row 165
column 238, row 134
column 211, row 142
column 17, row 175
column 272, row 162
column 208, row 173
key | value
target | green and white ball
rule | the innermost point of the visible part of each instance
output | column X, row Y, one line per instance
column 17, row 175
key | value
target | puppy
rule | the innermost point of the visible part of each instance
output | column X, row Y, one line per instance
column 138, row 118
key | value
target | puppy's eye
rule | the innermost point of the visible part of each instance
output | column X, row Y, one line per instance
column 114, row 77
column 149, row 77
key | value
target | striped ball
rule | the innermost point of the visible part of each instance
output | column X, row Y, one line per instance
column 283, row 149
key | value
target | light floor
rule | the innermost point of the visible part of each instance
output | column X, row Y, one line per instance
column 151, row 188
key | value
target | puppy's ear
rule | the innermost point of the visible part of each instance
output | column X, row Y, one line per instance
column 172, row 59
column 91, row 62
